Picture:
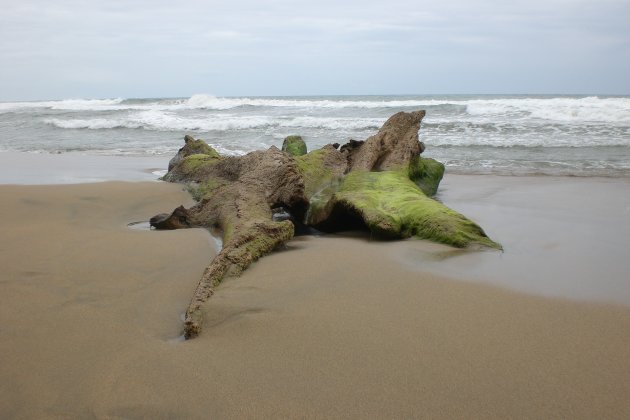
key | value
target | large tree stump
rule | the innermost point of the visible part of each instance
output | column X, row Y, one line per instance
column 374, row 183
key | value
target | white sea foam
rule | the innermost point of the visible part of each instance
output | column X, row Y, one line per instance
column 159, row 121
column 561, row 109
column 333, row 123
column 209, row 102
column 169, row 121
column 519, row 132
column 590, row 109
column 234, row 150
column 526, row 136
column 213, row 102
column 66, row 104
column 525, row 133
column 93, row 123
column 84, row 104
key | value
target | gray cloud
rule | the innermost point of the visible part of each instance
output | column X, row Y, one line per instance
column 244, row 47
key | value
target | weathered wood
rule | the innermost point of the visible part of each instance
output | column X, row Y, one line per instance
column 364, row 183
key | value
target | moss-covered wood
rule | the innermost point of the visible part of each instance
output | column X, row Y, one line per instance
column 294, row 145
column 393, row 207
column 320, row 168
column 427, row 174
column 191, row 147
column 380, row 184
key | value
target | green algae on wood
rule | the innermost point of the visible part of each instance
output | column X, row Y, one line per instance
column 191, row 147
column 427, row 174
column 205, row 189
column 194, row 162
column 294, row 145
column 392, row 206
column 316, row 175
column 189, row 165
column 321, row 168
column 200, row 147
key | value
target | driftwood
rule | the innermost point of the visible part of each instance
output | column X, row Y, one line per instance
column 381, row 184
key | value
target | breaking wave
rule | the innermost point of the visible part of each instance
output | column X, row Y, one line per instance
column 497, row 134
column 160, row 121
column 66, row 104
column 589, row 109
column 613, row 110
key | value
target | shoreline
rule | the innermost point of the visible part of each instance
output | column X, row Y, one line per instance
column 331, row 326
column 494, row 201
column 78, row 168
column 19, row 168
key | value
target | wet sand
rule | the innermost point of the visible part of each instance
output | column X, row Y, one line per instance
column 74, row 168
column 331, row 327
column 563, row 237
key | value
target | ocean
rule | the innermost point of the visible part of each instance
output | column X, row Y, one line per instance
column 470, row 134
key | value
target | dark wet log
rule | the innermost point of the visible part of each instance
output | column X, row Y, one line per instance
column 178, row 219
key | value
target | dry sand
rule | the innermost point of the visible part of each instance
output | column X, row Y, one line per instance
column 331, row 327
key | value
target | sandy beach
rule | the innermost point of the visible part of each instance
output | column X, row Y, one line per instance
column 306, row 139
column 331, row 326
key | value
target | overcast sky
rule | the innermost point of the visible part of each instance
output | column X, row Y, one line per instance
column 52, row 49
